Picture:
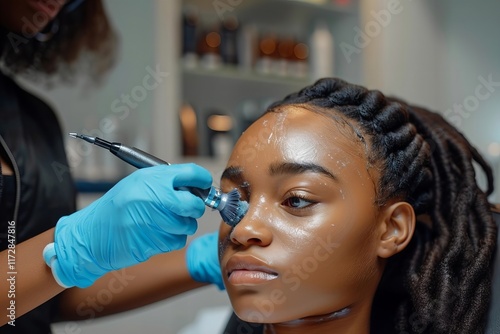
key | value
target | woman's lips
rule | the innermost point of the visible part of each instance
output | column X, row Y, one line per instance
column 250, row 277
column 248, row 270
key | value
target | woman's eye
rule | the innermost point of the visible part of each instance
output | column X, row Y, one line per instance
column 297, row 202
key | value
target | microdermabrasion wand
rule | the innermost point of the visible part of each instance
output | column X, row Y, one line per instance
column 229, row 205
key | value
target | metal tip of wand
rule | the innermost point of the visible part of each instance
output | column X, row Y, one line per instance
column 88, row 139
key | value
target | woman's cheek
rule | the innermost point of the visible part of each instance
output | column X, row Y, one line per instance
column 224, row 238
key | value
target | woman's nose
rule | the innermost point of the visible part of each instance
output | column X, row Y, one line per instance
column 254, row 228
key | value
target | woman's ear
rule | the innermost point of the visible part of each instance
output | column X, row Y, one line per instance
column 396, row 228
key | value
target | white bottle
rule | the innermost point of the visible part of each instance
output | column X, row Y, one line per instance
column 322, row 58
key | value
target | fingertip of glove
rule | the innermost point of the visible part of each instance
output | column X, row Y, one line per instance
column 193, row 206
column 193, row 230
column 199, row 209
column 191, row 174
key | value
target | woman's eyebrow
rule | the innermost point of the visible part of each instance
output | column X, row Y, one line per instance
column 299, row 168
column 233, row 174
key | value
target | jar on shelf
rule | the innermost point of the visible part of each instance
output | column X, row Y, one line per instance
column 229, row 41
column 189, row 37
column 299, row 64
column 285, row 55
column 209, row 48
column 268, row 53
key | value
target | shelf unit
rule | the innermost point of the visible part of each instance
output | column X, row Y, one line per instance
column 233, row 73
column 228, row 89
column 244, row 94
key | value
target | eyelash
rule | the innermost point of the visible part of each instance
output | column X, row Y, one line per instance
column 300, row 196
column 244, row 190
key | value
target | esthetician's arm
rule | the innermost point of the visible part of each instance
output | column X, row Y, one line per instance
column 34, row 283
column 162, row 276
column 119, row 230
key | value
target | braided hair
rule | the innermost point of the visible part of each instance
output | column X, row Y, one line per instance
column 442, row 281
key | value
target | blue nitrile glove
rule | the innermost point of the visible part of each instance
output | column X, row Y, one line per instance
column 202, row 258
column 141, row 216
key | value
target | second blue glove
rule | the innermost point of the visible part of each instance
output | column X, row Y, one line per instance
column 202, row 259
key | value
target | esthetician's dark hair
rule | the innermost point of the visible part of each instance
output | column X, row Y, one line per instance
column 441, row 282
column 81, row 31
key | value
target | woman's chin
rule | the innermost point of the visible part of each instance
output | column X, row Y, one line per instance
column 265, row 313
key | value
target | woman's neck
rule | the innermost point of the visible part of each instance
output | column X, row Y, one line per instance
column 346, row 321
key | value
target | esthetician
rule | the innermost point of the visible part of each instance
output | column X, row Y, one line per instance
column 122, row 229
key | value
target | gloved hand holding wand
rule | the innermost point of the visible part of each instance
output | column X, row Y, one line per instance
column 142, row 215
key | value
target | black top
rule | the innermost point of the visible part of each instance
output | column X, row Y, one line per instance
column 8, row 200
column 31, row 141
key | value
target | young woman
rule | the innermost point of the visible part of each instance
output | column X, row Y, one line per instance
column 364, row 217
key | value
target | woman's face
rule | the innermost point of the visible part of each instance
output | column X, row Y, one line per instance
column 27, row 17
column 306, row 246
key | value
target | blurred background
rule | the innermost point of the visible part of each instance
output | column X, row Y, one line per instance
column 193, row 74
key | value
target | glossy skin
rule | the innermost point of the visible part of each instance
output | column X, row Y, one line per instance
column 309, row 252
column 27, row 17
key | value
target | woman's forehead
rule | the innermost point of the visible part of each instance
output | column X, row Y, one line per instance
column 298, row 135
column 296, row 132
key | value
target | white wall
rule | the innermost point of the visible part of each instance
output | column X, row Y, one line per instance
column 472, row 56
column 403, row 55
column 433, row 53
